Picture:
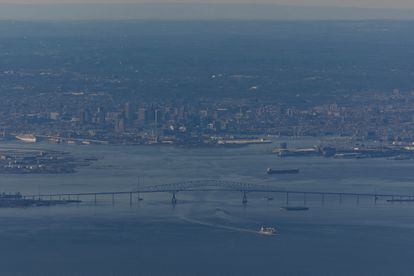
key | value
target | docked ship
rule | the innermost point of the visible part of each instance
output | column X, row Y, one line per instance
column 282, row 171
column 267, row 231
column 242, row 142
column 294, row 208
column 27, row 138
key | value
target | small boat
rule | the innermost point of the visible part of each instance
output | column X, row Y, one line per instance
column 282, row 171
column 267, row 231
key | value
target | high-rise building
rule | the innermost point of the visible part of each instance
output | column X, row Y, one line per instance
column 100, row 116
column 128, row 112
column 85, row 116
column 142, row 115
column 120, row 125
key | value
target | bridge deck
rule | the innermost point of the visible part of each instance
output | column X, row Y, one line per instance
column 219, row 186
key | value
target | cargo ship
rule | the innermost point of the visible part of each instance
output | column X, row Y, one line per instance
column 294, row 208
column 282, row 171
column 27, row 138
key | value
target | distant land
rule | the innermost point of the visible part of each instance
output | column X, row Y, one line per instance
column 194, row 12
column 307, row 61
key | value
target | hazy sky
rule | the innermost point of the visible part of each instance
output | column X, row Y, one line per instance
column 207, row 9
column 398, row 4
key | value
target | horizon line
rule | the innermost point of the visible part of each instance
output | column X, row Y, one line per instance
column 195, row 11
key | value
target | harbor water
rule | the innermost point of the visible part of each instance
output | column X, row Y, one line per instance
column 210, row 233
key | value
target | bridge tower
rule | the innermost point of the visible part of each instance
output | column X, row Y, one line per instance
column 244, row 200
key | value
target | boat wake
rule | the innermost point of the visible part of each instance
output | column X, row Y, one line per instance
column 219, row 226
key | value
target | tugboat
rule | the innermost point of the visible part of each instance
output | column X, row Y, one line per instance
column 285, row 171
column 267, row 231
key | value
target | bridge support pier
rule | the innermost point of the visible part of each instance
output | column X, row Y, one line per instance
column 244, row 200
column 287, row 198
column 113, row 199
column 130, row 199
column 173, row 199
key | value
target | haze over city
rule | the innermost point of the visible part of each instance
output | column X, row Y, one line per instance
column 206, row 9
column 339, row 3
column 200, row 137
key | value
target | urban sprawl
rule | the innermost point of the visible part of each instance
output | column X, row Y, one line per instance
column 98, row 118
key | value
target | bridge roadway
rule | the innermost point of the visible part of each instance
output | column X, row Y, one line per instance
column 221, row 186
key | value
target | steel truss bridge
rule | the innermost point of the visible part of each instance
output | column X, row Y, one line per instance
column 221, row 186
